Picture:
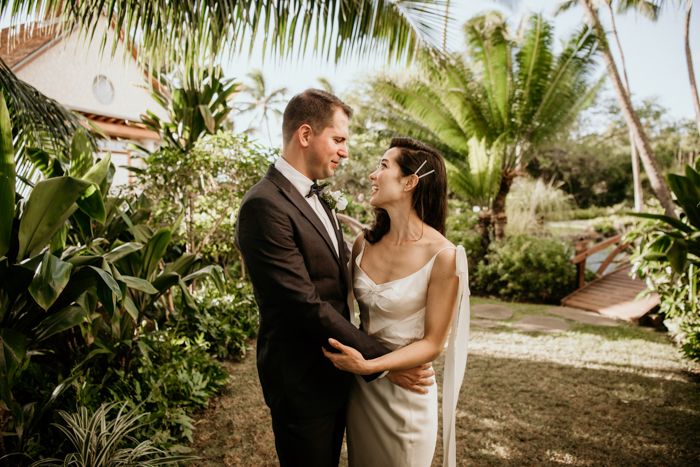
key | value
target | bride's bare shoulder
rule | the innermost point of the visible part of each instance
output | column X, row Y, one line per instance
column 436, row 241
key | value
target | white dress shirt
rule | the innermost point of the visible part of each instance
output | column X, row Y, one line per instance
column 303, row 184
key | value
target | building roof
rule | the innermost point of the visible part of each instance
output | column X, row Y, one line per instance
column 19, row 42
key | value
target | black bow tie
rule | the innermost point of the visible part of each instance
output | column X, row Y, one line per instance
column 316, row 190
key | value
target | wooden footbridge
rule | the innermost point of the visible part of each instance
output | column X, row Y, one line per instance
column 613, row 294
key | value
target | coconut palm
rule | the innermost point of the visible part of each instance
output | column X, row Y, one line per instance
column 164, row 29
column 689, row 60
column 262, row 102
column 490, row 108
column 641, row 140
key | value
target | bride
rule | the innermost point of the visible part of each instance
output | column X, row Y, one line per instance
column 411, row 284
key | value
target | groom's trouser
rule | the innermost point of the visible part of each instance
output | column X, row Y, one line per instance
column 309, row 442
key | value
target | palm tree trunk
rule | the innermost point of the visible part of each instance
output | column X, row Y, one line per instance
column 636, row 180
column 499, row 220
column 651, row 165
column 691, row 73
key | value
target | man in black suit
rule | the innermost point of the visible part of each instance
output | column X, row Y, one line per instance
column 294, row 251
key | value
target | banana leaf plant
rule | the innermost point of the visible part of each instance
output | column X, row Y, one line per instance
column 668, row 258
column 40, row 288
column 679, row 244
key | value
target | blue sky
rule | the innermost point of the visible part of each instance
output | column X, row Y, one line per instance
column 654, row 54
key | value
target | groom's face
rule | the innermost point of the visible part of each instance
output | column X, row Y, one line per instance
column 328, row 148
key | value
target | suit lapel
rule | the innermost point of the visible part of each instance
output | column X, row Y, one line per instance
column 293, row 195
column 338, row 237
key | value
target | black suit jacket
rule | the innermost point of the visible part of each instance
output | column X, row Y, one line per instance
column 300, row 286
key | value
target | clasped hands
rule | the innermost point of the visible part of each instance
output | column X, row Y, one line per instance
column 415, row 379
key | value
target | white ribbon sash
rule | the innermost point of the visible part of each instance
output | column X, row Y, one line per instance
column 455, row 361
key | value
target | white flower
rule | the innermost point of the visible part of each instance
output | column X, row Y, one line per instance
column 342, row 203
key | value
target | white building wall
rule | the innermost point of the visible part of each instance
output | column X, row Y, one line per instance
column 66, row 72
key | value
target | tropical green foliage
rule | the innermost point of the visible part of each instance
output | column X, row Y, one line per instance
column 593, row 160
column 225, row 320
column 100, row 441
column 489, row 108
column 211, row 181
column 668, row 257
column 171, row 32
column 526, row 268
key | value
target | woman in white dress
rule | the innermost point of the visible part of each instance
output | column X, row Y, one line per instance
column 411, row 285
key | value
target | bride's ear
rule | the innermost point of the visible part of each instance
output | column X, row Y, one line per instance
column 410, row 183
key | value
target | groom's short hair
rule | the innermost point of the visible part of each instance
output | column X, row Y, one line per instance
column 312, row 107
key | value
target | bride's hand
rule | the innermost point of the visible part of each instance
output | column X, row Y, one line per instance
column 349, row 359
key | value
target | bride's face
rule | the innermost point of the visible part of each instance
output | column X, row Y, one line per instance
column 387, row 181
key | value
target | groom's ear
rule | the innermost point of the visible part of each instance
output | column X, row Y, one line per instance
column 305, row 133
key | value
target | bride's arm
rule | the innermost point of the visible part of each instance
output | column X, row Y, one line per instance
column 440, row 309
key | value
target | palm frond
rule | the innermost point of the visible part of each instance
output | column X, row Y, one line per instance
column 488, row 47
column 37, row 121
column 168, row 30
column 569, row 81
column 534, row 61
column 646, row 8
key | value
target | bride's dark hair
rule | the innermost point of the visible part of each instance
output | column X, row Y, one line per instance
column 429, row 197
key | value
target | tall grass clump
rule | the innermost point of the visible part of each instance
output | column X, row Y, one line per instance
column 533, row 203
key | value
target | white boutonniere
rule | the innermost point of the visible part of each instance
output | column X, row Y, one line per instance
column 337, row 202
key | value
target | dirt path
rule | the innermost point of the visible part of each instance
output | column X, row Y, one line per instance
column 589, row 397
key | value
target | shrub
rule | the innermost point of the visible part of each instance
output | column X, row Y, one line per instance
column 526, row 268
column 225, row 321
column 459, row 230
column 668, row 258
column 102, row 441
column 533, row 203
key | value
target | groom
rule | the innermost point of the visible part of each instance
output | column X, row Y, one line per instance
column 297, row 260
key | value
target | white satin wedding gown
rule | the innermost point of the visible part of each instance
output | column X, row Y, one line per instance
column 388, row 426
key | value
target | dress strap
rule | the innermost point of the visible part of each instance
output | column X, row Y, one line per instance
column 455, row 360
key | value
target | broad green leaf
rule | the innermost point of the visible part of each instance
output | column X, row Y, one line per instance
column 214, row 272
column 189, row 301
column 139, row 284
column 131, row 308
column 208, row 118
column 669, row 220
column 165, row 280
column 122, row 250
column 654, row 256
column 129, row 224
column 107, row 181
column 14, row 350
column 108, row 281
column 99, row 171
column 84, row 223
column 155, row 248
column 91, row 204
column 7, row 178
column 59, row 322
column 50, row 279
column 58, row 241
column 175, row 228
column 48, row 165
column 81, row 158
column 50, row 203
column 688, row 195
column 677, row 255
column 180, row 265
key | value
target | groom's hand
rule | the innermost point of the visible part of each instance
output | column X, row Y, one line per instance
column 414, row 379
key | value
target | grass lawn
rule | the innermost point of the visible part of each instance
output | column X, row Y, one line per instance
column 593, row 396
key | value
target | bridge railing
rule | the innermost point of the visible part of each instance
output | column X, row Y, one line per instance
column 582, row 252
